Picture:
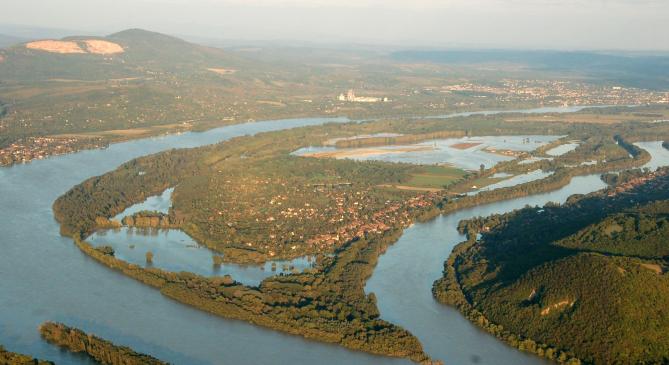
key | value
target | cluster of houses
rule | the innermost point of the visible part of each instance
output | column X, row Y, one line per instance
column 637, row 181
column 307, row 218
column 557, row 92
column 41, row 147
column 395, row 213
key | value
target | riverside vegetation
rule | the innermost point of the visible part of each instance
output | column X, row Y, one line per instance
column 252, row 201
column 77, row 341
column 98, row 349
column 579, row 282
column 12, row 358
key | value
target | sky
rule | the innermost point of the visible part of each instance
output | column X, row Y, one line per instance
column 526, row 24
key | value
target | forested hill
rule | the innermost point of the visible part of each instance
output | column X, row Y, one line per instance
column 629, row 69
column 127, row 54
column 588, row 277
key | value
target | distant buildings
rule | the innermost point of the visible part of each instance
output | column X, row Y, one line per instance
column 350, row 97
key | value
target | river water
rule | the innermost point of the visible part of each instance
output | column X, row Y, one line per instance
column 43, row 276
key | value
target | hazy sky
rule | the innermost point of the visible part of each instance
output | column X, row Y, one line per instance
column 563, row 24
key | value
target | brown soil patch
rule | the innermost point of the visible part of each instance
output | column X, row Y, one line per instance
column 556, row 306
column 55, row 46
column 2, row 58
column 222, row 71
column 98, row 46
column 465, row 145
column 654, row 267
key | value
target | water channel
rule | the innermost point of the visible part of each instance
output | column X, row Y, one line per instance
column 43, row 276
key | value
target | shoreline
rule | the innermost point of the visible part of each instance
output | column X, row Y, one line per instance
column 175, row 287
column 187, row 126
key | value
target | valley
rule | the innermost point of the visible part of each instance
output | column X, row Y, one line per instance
column 207, row 200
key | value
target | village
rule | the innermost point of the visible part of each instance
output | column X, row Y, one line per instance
column 557, row 92
column 652, row 178
column 41, row 147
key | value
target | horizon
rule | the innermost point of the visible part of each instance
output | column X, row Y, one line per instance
column 613, row 25
column 25, row 33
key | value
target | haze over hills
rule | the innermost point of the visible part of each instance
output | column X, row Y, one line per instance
column 136, row 83
column 10, row 40
column 636, row 70
column 141, row 51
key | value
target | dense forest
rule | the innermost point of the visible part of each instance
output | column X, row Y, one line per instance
column 584, row 280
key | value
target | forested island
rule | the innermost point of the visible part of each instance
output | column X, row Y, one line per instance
column 252, row 200
column 579, row 282
column 12, row 358
column 76, row 341
column 98, row 349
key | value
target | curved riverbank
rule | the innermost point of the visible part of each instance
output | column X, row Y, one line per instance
column 406, row 273
column 45, row 277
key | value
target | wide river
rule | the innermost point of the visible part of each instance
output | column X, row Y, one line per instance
column 43, row 276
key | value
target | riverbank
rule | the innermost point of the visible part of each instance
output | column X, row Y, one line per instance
column 450, row 289
column 205, row 293
column 38, row 148
column 330, row 299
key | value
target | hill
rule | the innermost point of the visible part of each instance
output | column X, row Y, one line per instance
column 87, row 90
column 642, row 71
column 587, row 277
column 126, row 54
column 9, row 40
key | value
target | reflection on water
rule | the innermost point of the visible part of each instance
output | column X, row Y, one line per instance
column 659, row 154
column 542, row 110
column 403, row 278
column 404, row 275
column 44, row 276
column 516, row 180
column 562, row 149
column 467, row 153
column 533, row 160
column 157, row 203
column 173, row 250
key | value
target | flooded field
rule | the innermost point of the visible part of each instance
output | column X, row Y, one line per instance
column 467, row 153
column 173, row 250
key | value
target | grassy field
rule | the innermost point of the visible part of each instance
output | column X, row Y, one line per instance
column 437, row 177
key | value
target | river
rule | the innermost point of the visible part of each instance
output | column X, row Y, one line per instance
column 43, row 276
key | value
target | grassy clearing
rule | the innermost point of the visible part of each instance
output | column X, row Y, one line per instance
column 435, row 177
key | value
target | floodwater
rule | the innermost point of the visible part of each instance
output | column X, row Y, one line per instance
column 173, row 250
column 515, row 180
column 484, row 150
column 659, row 154
column 542, row 110
column 562, row 149
column 44, row 276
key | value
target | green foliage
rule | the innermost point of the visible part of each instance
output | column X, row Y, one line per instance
column 587, row 276
column 12, row 358
column 98, row 349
